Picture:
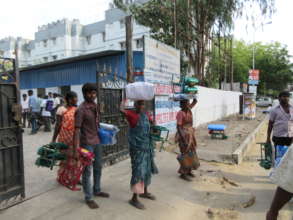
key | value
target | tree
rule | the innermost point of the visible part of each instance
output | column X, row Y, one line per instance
column 273, row 61
column 190, row 24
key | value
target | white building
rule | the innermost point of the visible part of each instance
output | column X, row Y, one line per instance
column 65, row 38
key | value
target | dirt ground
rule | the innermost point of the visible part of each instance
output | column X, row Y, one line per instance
column 239, row 191
column 237, row 130
column 219, row 192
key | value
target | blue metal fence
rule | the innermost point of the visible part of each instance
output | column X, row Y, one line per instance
column 77, row 72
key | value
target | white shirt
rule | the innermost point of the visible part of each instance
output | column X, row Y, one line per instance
column 25, row 104
column 44, row 112
column 56, row 102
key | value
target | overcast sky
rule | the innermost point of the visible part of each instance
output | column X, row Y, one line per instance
column 22, row 18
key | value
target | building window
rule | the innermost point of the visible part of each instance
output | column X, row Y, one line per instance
column 45, row 43
column 139, row 43
column 45, row 59
column 88, row 39
column 123, row 45
column 55, row 57
column 122, row 23
column 54, row 39
column 104, row 36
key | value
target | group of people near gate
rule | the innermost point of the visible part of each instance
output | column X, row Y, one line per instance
column 78, row 126
column 38, row 111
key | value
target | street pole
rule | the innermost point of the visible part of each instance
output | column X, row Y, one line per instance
column 17, row 76
column 253, row 45
column 175, row 25
column 232, row 63
column 253, row 50
column 129, row 54
column 255, row 28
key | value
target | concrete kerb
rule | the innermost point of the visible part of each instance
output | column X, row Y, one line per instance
column 239, row 154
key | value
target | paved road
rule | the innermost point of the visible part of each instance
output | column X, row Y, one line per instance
column 177, row 200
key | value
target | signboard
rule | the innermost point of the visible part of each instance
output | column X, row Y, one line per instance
column 249, row 106
column 253, row 89
column 166, row 111
column 253, row 82
column 7, row 70
column 253, row 77
column 161, row 62
column 161, row 89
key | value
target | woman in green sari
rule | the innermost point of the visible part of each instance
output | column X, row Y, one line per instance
column 141, row 150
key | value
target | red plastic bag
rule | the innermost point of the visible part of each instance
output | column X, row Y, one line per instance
column 71, row 170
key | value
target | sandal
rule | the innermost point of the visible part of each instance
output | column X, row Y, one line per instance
column 185, row 177
column 137, row 204
column 191, row 175
column 92, row 204
column 147, row 196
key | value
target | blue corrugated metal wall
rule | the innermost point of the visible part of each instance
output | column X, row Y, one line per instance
column 78, row 72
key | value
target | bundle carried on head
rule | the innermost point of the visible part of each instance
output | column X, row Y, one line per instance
column 140, row 91
column 188, row 90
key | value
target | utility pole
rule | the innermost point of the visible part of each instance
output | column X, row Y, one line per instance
column 175, row 25
column 17, row 70
column 232, row 63
column 129, row 54
column 225, row 61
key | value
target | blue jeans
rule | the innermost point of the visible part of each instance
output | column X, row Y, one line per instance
column 97, row 168
column 34, row 122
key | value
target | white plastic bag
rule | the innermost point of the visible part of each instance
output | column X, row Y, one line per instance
column 140, row 91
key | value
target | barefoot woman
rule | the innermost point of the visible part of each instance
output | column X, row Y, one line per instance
column 186, row 135
column 141, row 153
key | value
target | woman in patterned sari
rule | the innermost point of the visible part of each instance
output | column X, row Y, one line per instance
column 141, row 150
column 185, row 136
column 64, row 128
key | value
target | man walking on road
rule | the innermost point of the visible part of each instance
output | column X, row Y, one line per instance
column 25, row 109
column 34, row 111
column 281, row 122
column 86, row 136
column 46, row 108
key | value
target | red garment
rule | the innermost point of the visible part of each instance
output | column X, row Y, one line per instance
column 133, row 117
column 67, row 127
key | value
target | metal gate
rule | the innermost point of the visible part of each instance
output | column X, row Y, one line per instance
column 11, row 151
column 109, row 100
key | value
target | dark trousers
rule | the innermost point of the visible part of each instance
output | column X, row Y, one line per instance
column 24, row 118
column 34, row 122
column 47, row 123
column 283, row 141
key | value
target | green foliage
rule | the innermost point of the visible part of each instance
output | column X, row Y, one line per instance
column 273, row 61
column 189, row 24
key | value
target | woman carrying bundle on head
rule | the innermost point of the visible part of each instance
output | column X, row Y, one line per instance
column 185, row 137
column 141, row 152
